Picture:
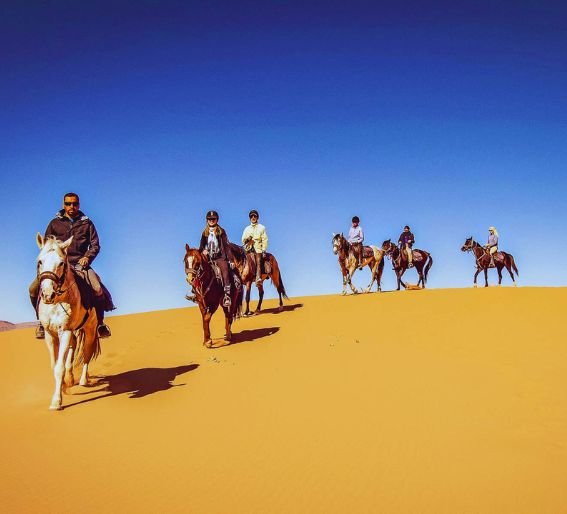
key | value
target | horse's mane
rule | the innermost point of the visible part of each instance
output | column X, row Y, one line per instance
column 238, row 251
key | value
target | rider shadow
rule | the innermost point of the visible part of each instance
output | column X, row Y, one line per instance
column 246, row 336
column 138, row 382
column 285, row 308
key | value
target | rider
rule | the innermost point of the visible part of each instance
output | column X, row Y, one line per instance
column 256, row 232
column 214, row 245
column 492, row 244
column 71, row 221
column 356, row 238
column 406, row 241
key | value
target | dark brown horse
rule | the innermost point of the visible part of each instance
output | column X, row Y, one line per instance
column 482, row 258
column 422, row 262
column 372, row 257
column 246, row 265
column 209, row 293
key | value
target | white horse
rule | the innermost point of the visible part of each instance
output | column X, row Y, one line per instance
column 70, row 329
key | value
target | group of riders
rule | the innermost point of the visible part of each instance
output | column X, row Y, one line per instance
column 70, row 221
column 406, row 242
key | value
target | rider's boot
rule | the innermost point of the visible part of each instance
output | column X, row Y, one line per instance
column 226, row 301
column 102, row 330
column 39, row 332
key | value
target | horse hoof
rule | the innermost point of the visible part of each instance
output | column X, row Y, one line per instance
column 208, row 344
column 55, row 407
column 474, row 285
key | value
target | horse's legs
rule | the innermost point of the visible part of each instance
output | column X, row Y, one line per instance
column 476, row 275
column 248, row 288
column 52, row 346
column 69, row 379
column 499, row 269
column 372, row 277
column 206, row 328
column 344, row 284
column 350, row 274
column 227, row 325
column 59, row 369
column 260, row 287
column 485, row 277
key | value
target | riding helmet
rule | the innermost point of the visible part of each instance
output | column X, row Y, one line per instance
column 253, row 212
column 212, row 214
column 355, row 219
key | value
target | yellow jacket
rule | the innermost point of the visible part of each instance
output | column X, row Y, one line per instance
column 258, row 234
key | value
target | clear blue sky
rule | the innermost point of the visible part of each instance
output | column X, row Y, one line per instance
column 447, row 116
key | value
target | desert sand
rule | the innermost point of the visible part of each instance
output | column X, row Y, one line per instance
column 437, row 401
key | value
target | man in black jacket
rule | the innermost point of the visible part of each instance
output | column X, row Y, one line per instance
column 71, row 221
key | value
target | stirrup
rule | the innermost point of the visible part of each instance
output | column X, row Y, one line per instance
column 191, row 298
column 226, row 302
column 39, row 332
column 103, row 331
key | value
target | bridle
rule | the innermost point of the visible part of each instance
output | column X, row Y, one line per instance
column 469, row 247
column 57, row 280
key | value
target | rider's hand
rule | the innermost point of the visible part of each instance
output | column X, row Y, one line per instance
column 263, row 255
column 205, row 252
column 84, row 261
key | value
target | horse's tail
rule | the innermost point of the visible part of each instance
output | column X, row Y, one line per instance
column 427, row 267
column 513, row 264
column 81, row 350
column 276, row 278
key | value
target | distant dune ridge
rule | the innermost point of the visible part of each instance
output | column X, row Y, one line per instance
column 437, row 401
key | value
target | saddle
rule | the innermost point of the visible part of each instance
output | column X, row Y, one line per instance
column 88, row 298
column 234, row 276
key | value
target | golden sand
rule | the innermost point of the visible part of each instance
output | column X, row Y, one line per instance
column 437, row 401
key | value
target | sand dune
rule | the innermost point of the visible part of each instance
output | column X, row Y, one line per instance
column 438, row 401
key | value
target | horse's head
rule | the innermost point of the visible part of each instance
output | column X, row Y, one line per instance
column 337, row 242
column 388, row 247
column 468, row 246
column 193, row 261
column 51, row 266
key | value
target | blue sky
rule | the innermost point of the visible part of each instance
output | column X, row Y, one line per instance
column 449, row 117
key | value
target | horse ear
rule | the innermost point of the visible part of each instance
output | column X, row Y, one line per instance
column 187, row 247
column 342, row 235
column 39, row 240
column 66, row 244
column 334, row 234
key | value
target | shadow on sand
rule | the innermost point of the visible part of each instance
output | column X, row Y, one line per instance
column 138, row 382
column 251, row 335
column 285, row 308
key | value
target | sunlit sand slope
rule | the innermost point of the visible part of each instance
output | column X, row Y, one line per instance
column 442, row 401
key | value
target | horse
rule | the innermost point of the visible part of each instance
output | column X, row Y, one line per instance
column 246, row 265
column 501, row 260
column 70, row 329
column 209, row 293
column 422, row 262
column 372, row 257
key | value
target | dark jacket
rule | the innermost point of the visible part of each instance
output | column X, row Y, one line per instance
column 225, row 251
column 406, row 238
column 85, row 238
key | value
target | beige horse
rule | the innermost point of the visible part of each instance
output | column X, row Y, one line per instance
column 372, row 257
column 70, row 329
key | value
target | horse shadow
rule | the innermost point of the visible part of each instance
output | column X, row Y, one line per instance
column 285, row 308
column 137, row 382
column 246, row 336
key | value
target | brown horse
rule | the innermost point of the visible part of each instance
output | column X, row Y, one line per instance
column 209, row 292
column 482, row 257
column 422, row 262
column 372, row 257
column 246, row 265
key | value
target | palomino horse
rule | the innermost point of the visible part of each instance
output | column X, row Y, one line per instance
column 372, row 257
column 501, row 260
column 422, row 262
column 70, row 329
column 246, row 265
column 209, row 293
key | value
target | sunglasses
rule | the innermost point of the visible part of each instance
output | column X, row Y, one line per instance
column 212, row 219
column 71, row 203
